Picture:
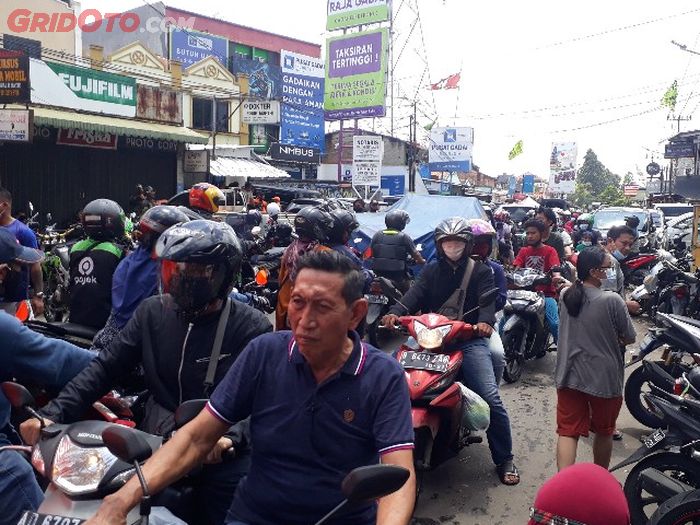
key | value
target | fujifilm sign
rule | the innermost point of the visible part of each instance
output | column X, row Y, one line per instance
column 97, row 85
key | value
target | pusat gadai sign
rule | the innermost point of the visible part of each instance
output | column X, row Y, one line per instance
column 451, row 149
column 351, row 13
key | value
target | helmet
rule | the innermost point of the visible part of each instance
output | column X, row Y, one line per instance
column 481, row 227
column 103, row 219
column 273, row 209
column 284, row 232
column 454, row 228
column 397, row 219
column 200, row 260
column 253, row 218
column 313, row 222
column 206, row 197
column 501, row 215
column 344, row 221
column 156, row 220
column 585, row 218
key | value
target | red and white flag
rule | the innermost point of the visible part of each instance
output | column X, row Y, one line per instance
column 451, row 82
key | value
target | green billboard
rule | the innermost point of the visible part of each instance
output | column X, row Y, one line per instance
column 356, row 67
column 351, row 13
column 97, row 85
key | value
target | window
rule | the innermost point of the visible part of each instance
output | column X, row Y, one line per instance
column 202, row 114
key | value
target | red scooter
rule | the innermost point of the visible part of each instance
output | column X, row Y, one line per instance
column 432, row 373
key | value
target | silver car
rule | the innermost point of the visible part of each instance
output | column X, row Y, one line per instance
column 679, row 226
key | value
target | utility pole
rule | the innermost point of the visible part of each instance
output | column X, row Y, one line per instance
column 413, row 149
column 678, row 119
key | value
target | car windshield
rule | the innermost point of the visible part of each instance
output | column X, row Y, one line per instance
column 517, row 213
column 675, row 211
column 606, row 219
column 656, row 217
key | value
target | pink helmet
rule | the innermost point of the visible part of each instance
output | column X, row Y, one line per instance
column 481, row 227
column 501, row 215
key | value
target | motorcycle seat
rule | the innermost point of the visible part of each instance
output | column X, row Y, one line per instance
column 76, row 330
column 690, row 327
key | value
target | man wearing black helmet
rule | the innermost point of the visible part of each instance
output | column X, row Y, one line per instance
column 172, row 336
column 391, row 248
column 93, row 262
column 452, row 286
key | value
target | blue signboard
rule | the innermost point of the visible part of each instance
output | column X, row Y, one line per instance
column 528, row 183
column 189, row 47
column 677, row 150
column 264, row 80
column 512, row 185
column 303, row 118
column 394, row 184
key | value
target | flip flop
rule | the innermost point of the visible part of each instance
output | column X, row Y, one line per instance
column 508, row 473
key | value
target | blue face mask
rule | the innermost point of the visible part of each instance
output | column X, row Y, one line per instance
column 618, row 255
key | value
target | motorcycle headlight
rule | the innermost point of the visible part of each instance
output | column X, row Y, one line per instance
column 430, row 338
column 38, row 461
column 78, row 470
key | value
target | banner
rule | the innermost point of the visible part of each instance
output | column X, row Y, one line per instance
column 92, row 84
column 528, row 184
column 562, row 167
column 189, row 47
column 14, row 77
column 264, row 80
column 303, row 83
column 451, row 149
column 367, row 155
column 351, row 13
column 356, row 67
column 260, row 112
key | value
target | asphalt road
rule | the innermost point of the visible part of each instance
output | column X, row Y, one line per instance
column 466, row 491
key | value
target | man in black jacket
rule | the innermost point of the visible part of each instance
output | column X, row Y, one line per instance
column 172, row 337
column 437, row 289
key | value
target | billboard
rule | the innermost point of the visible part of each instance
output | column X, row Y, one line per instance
column 562, row 167
column 451, row 149
column 351, row 13
column 264, row 80
column 92, row 84
column 303, row 83
column 189, row 47
column 356, row 66
column 14, row 77
column 528, row 183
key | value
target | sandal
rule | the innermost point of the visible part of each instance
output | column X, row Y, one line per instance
column 508, row 473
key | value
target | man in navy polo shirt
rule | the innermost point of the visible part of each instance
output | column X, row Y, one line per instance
column 321, row 404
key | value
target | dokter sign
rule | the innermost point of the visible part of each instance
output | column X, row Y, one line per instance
column 351, row 13
column 356, row 67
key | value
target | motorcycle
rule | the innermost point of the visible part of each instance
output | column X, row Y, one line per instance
column 382, row 295
column 669, row 289
column 636, row 267
column 524, row 330
column 86, row 461
column 681, row 338
column 438, row 400
column 667, row 462
column 55, row 268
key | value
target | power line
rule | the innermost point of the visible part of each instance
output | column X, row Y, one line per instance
column 605, row 122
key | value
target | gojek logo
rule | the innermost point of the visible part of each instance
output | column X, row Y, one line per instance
column 85, row 268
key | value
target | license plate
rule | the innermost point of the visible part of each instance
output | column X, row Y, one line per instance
column 377, row 299
column 654, row 439
column 34, row 518
column 425, row 361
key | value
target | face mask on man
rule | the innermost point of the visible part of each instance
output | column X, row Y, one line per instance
column 586, row 243
column 454, row 250
column 618, row 255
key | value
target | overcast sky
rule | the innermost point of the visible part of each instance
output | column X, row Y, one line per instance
column 534, row 71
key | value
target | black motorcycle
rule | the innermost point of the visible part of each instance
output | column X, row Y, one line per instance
column 524, row 330
column 382, row 295
column 667, row 463
column 681, row 338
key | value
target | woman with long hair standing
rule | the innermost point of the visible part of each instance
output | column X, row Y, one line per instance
column 593, row 331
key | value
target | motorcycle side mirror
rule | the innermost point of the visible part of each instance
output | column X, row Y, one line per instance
column 488, row 298
column 188, row 410
column 126, row 444
column 31, row 207
column 49, row 218
column 370, row 483
column 17, row 395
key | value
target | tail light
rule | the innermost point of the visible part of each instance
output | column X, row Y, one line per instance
column 376, row 288
column 680, row 292
column 261, row 277
column 678, row 386
column 22, row 312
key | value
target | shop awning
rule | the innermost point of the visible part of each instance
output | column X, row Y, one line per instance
column 120, row 126
column 235, row 167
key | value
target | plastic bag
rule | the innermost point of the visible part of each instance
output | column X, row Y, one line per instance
column 476, row 414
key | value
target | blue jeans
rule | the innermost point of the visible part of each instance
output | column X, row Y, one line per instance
column 498, row 355
column 551, row 315
column 478, row 375
column 19, row 490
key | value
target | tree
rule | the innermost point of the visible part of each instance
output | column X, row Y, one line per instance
column 595, row 174
column 582, row 196
column 612, row 195
column 629, row 179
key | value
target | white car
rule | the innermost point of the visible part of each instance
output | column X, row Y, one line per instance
column 679, row 226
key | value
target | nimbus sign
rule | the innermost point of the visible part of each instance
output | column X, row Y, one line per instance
column 294, row 153
column 97, row 85
column 351, row 13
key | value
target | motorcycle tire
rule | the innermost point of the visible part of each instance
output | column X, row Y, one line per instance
column 683, row 509
column 512, row 342
column 685, row 469
column 633, row 396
